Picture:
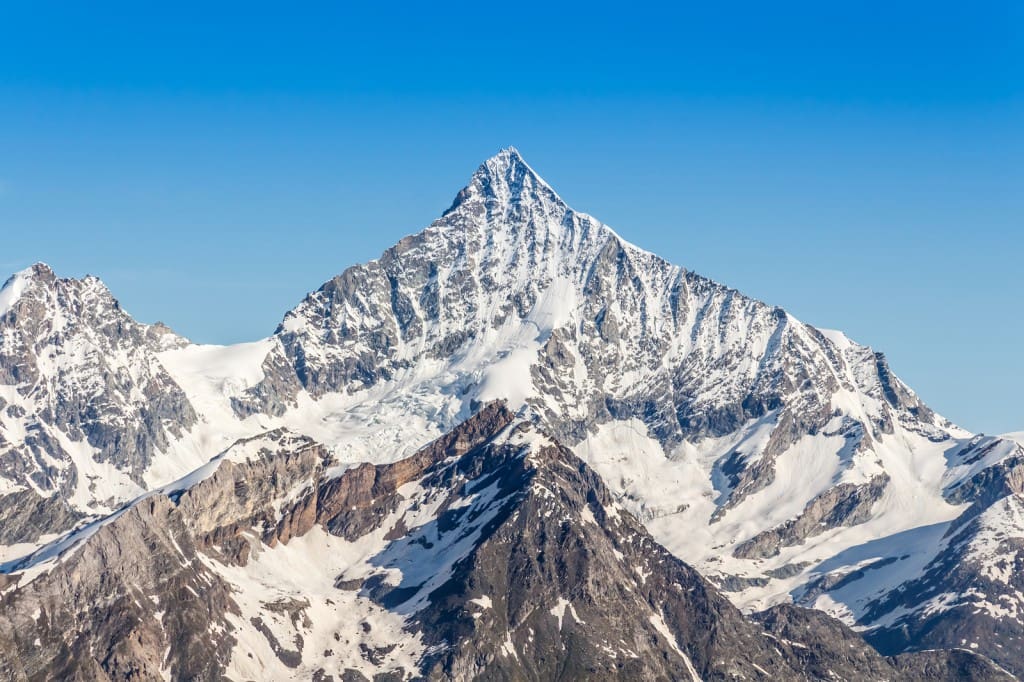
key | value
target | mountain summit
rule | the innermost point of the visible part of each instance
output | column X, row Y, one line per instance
column 505, row 179
column 784, row 462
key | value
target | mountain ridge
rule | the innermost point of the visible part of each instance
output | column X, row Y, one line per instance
column 488, row 553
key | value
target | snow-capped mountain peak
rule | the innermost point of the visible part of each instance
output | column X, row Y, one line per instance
column 782, row 460
column 85, row 404
column 19, row 282
column 506, row 179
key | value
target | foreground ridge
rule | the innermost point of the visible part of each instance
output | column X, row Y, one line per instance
column 492, row 553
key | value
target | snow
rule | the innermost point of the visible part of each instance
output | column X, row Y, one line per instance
column 559, row 611
column 838, row 338
column 34, row 559
column 48, row 555
column 10, row 553
column 210, row 377
column 205, row 369
column 509, row 377
column 1001, row 521
column 802, row 472
column 913, row 549
column 675, row 495
column 97, row 482
column 907, row 524
column 635, row 466
column 971, row 456
column 304, row 570
column 13, row 288
column 659, row 624
column 418, row 568
column 508, row 647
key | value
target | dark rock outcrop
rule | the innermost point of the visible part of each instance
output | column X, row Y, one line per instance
column 968, row 597
column 804, row 634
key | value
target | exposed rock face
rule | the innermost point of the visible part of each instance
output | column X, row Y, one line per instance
column 81, row 388
column 25, row 515
column 689, row 357
column 558, row 583
column 246, row 490
column 804, row 634
column 134, row 602
column 969, row 594
column 624, row 607
column 496, row 552
column 513, row 294
column 994, row 469
column 274, row 394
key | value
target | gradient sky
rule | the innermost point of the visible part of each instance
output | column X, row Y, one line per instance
column 861, row 164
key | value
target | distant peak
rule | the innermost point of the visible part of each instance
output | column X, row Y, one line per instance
column 34, row 273
column 40, row 277
column 40, row 273
column 505, row 178
column 19, row 282
column 37, row 270
column 507, row 155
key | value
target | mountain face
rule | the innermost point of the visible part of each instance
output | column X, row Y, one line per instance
column 513, row 291
column 84, row 404
column 783, row 462
column 493, row 553
column 971, row 594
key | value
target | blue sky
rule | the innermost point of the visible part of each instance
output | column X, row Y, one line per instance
column 860, row 164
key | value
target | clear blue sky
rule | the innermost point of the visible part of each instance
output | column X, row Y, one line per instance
column 860, row 164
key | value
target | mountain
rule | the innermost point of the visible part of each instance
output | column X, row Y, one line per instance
column 84, row 404
column 785, row 463
column 493, row 553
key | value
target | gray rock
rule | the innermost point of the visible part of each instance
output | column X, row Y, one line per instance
column 25, row 515
column 804, row 634
column 83, row 367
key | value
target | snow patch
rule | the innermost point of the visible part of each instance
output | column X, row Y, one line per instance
column 13, row 288
column 559, row 609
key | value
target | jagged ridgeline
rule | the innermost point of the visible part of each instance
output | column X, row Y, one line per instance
column 513, row 447
column 493, row 553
